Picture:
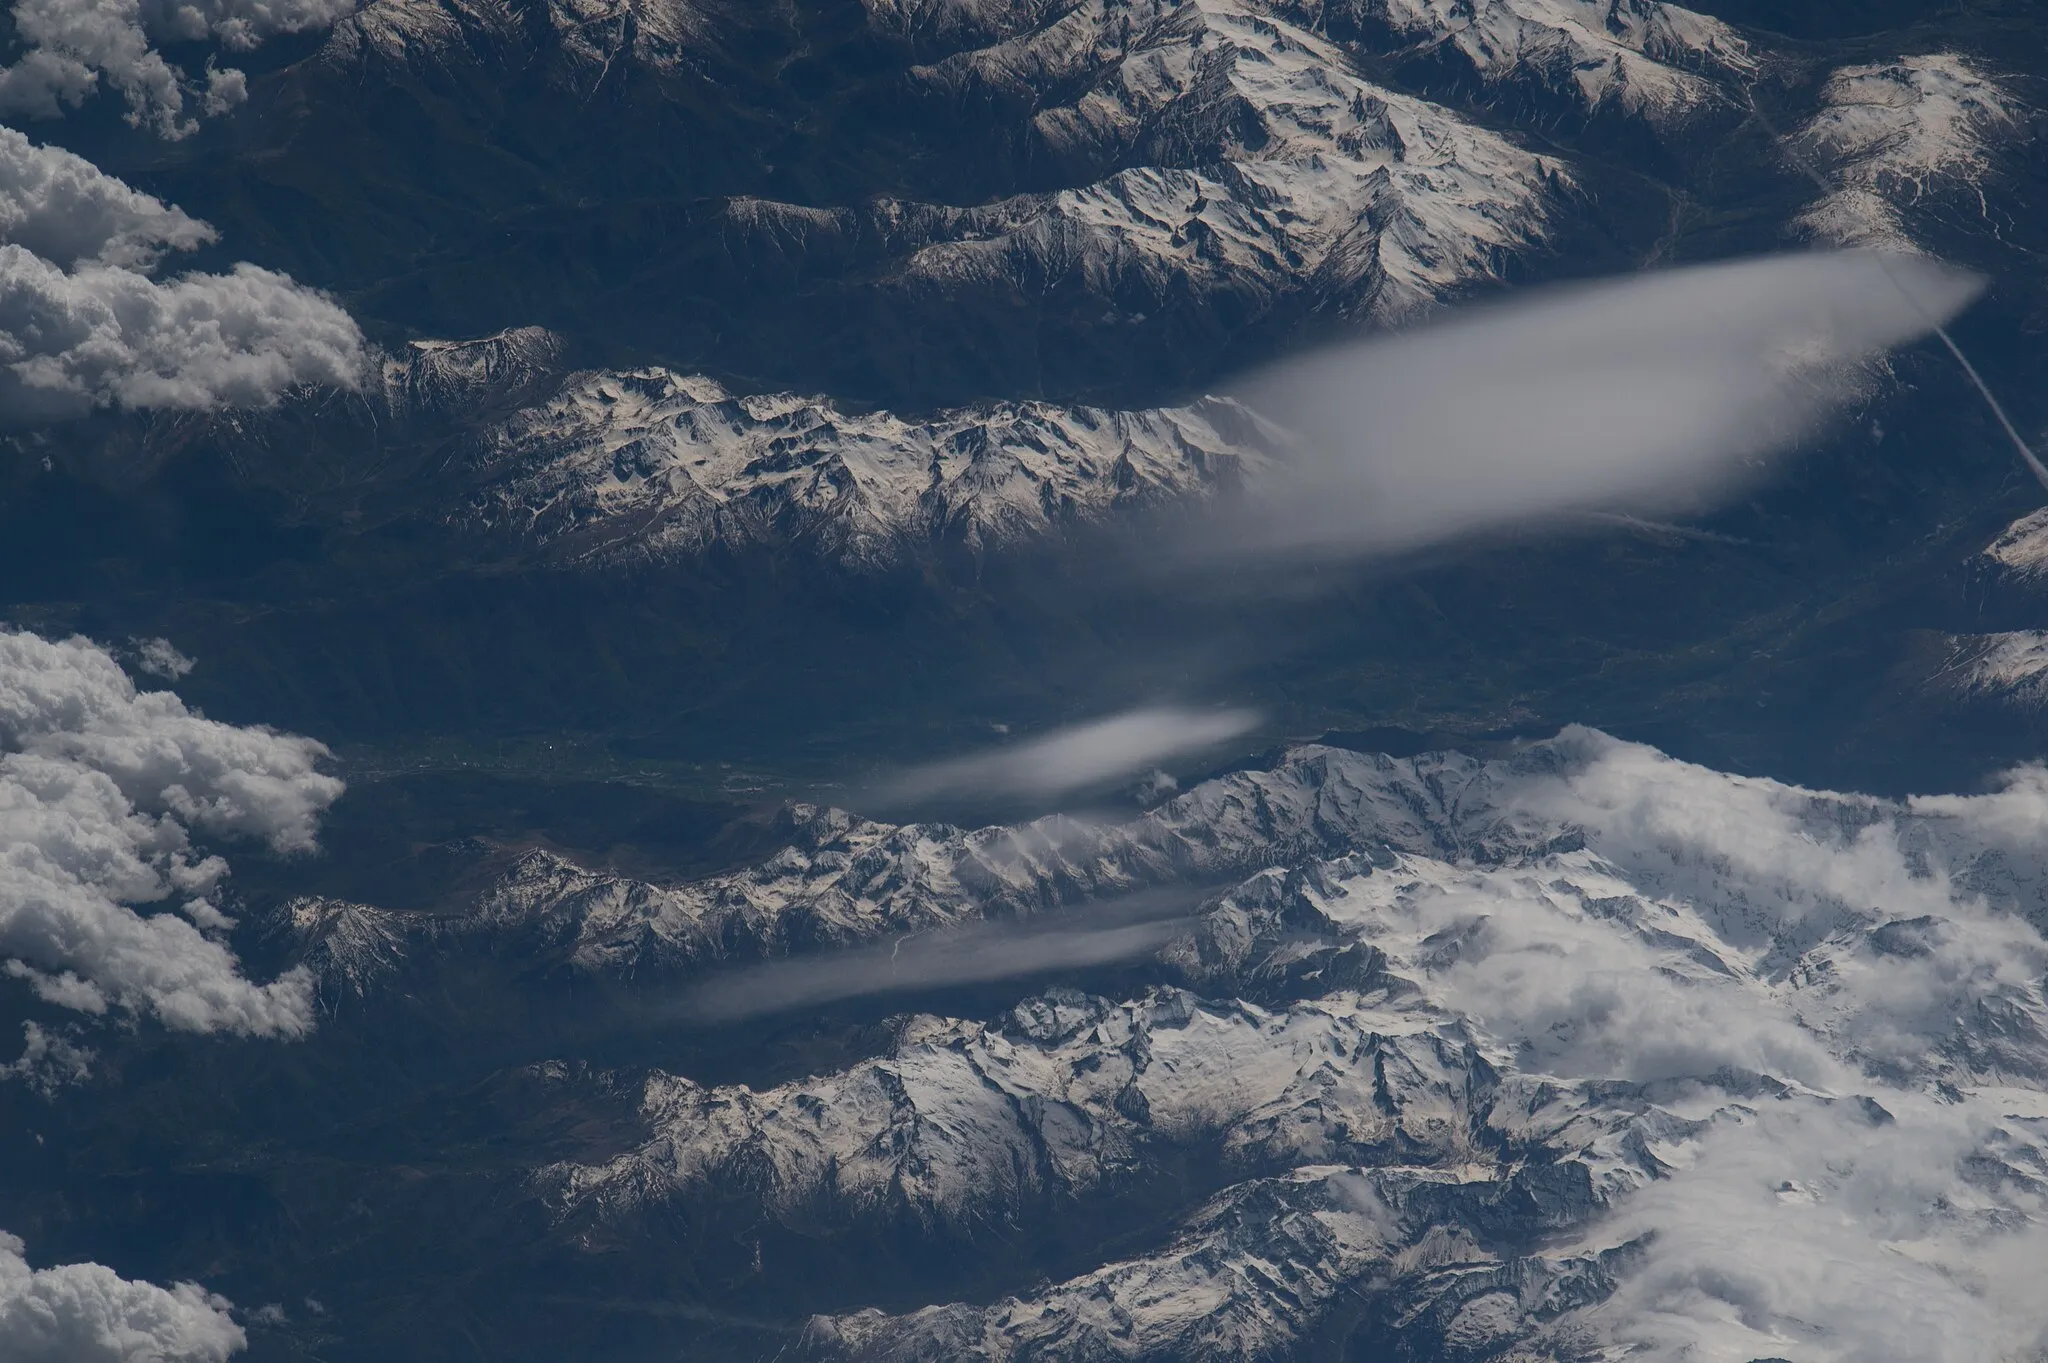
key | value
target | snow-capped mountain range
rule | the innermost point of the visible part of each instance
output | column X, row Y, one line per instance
column 1597, row 1012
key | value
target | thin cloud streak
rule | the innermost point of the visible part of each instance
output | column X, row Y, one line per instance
column 1078, row 757
column 1644, row 395
column 974, row 953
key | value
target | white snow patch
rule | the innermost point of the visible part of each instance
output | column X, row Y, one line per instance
column 1892, row 134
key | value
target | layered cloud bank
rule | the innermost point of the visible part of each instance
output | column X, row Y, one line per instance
column 1647, row 393
column 71, row 49
column 102, row 788
column 86, row 1313
column 85, row 322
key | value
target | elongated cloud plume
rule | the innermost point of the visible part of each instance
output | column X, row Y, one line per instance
column 1079, row 757
column 84, row 323
column 1643, row 395
column 1093, row 935
column 101, row 789
column 87, row 1313
column 72, row 48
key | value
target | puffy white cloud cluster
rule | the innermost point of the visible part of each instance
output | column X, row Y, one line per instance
column 48, row 1062
column 72, row 48
column 87, row 1313
column 161, row 658
column 1838, row 1003
column 101, row 788
column 85, row 323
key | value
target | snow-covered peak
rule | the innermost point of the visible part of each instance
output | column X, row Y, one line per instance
column 1251, row 145
column 591, row 35
column 1891, row 135
column 461, row 379
column 350, row 948
column 649, row 464
column 1261, row 1270
column 1646, row 59
column 2010, row 667
column 2021, row 549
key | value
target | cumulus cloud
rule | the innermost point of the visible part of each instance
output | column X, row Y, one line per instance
column 161, row 658
column 101, row 790
column 85, row 323
column 87, row 1313
column 62, row 207
column 72, row 48
column 1078, row 757
column 1645, row 394
column 48, row 1062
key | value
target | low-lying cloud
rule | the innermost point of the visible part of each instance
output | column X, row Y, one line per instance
column 71, row 49
column 102, row 788
column 1647, row 394
column 85, row 323
column 1871, row 1197
column 1079, row 757
column 87, row 1313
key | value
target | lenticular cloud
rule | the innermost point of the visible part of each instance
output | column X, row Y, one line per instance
column 104, row 901
column 1077, row 757
column 87, row 1313
column 85, row 323
column 1644, row 393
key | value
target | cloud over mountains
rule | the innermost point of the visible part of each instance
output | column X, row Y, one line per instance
column 1647, row 392
column 71, row 49
column 102, row 788
column 85, row 322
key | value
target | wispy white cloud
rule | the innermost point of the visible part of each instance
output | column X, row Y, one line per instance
column 968, row 953
column 101, row 790
column 1078, row 757
column 85, row 323
column 1643, row 395
column 87, row 1313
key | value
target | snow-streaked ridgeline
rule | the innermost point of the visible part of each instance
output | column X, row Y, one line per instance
column 1581, row 1049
